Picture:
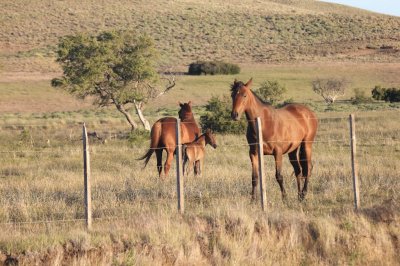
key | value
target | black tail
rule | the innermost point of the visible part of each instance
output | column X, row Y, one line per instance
column 155, row 139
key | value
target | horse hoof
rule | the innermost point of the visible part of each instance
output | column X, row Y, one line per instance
column 302, row 196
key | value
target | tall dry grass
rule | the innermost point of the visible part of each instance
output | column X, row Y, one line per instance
column 135, row 216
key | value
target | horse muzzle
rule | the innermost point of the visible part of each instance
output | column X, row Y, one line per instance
column 235, row 116
column 214, row 146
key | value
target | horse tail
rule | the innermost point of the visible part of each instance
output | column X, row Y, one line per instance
column 155, row 136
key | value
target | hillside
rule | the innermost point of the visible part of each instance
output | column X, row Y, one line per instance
column 187, row 30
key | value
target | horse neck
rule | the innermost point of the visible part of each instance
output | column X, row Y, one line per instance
column 201, row 141
column 256, row 108
column 188, row 117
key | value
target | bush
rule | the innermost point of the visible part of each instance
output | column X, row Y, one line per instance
column 360, row 97
column 218, row 117
column 392, row 95
column 271, row 91
column 378, row 93
column 386, row 94
column 213, row 68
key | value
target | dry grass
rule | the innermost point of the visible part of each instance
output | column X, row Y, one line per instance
column 136, row 221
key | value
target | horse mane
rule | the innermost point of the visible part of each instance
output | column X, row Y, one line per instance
column 235, row 87
column 261, row 100
column 239, row 84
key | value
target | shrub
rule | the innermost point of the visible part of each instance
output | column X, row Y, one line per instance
column 213, row 68
column 359, row 97
column 378, row 93
column 392, row 95
column 386, row 94
column 218, row 117
column 271, row 91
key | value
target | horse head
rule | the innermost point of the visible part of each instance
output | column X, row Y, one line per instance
column 186, row 110
column 210, row 138
column 239, row 94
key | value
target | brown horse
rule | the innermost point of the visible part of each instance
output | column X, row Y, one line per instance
column 195, row 151
column 163, row 136
column 290, row 129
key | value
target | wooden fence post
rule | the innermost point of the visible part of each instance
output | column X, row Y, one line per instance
column 86, row 176
column 179, row 172
column 354, row 165
column 260, row 144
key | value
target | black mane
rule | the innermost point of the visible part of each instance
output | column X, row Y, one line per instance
column 259, row 98
column 235, row 87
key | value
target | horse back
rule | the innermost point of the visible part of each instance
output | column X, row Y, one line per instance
column 300, row 117
column 189, row 131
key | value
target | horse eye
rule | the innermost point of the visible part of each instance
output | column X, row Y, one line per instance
column 244, row 95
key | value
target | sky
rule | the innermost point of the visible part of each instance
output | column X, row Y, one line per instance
column 390, row 7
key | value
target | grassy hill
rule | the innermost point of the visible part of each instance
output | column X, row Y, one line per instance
column 187, row 30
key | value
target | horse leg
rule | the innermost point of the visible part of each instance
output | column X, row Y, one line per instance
column 254, row 174
column 294, row 160
column 170, row 157
column 305, row 161
column 200, row 165
column 195, row 168
column 278, row 170
column 159, row 161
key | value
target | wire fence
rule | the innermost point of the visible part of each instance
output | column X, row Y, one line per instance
column 124, row 213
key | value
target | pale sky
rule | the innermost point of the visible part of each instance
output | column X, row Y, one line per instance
column 391, row 7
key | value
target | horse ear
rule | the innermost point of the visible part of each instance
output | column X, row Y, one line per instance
column 235, row 81
column 180, row 104
column 249, row 82
column 190, row 103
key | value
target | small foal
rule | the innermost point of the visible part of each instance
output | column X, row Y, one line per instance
column 195, row 151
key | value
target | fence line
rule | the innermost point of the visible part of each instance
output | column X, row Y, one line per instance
column 95, row 149
column 178, row 166
column 55, row 124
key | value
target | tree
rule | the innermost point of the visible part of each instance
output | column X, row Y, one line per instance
column 271, row 91
column 330, row 89
column 116, row 68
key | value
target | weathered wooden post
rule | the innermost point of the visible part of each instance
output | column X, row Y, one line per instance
column 179, row 172
column 260, row 144
column 354, row 165
column 86, row 176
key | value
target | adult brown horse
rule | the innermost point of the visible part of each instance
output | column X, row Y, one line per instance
column 163, row 136
column 290, row 129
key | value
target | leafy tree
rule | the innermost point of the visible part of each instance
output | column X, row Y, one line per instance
column 115, row 68
column 330, row 89
column 271, row 91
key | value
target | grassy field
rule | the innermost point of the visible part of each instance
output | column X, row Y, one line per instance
column 135, row 213
column 186, row 30
column 135, row 216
